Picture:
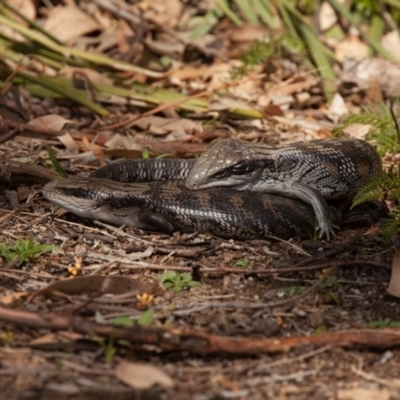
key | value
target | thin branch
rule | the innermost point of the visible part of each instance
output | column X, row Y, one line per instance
column 200, row 343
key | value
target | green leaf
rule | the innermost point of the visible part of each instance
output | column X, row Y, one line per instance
column 146, row 153
column 122, row 321
column 244, row 263
column 193, row 284
column 224, row 7
column 57, row 166
column 248, row 10
column 24, row 250
column 147, row 317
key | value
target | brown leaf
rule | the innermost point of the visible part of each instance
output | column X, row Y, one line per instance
column 52, row 339
column 357, row 131
column 394, row 285
column 363, row 72
column 10, row 298
column 164, row 13
column 102, row 284
column 69, row 22
column 361, row 393
column 68, row 141
column 391, row 42
column 25, row 7
column 248, row 33
column 51, row 121
column 142, row 376
column 156, row 125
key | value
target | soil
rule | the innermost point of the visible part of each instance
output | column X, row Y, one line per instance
column 253, row 289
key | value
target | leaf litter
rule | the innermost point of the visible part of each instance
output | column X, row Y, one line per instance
column 144, row 76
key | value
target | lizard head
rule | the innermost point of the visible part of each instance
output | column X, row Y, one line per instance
column 227, row 162
column 75, row 195
column 90, row 198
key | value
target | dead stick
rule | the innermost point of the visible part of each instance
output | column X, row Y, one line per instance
column 202, row 343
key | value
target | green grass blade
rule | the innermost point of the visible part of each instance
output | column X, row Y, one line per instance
column 69, row 52
column 30, row 22
column 264, row 12
column 223, row 6
column 57, row 166
column 79, row 96
column 248, row 11
column 316, row 49
column 394, row 3
column 284, row 13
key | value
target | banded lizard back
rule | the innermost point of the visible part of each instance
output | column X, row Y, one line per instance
column 311, row 171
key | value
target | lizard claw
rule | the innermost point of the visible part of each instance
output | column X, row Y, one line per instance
column 327, row 229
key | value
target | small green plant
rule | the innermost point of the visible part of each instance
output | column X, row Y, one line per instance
column 175, row 281
column 321, row 329
column 146, row 318
column 387, row 184
column 7, row 337
column 384, row 323
column 57, row 166
column 24, row 249
column 383, row 127
column 109, row 349
column 294, row 290
column 146, row 153
column 385, row 132
column 123, row 321
column 259, row 51
column 331, row 282
column 243, row 263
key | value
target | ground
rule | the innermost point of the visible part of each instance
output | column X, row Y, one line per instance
column 261, row 300
column 93, row 316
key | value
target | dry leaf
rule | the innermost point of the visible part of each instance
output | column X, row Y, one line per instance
column 357, row 131
column 363, row 73
column 10, row 298
column 155, row 125
column 68, row 141
column 142, row 376
column 90, row 74
column 249, row 33
column 391, row 42
column 51, row 121
column 363, row 394
column 26, row 7
column 351, row 46
column 164, row 13
column 337, row 109
column 102, row 284
column 394, row 285
column 327, row 16
column 55, row 338
column 68, row 23
column 186, row 72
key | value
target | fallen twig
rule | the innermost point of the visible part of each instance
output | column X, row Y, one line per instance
column 203, row 343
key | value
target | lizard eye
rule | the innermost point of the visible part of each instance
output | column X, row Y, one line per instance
column 243, row 168
column 221, row 174
column 290, row 163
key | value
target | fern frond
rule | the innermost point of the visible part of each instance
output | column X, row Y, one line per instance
column 394, row 194
column 374, row 189
column 383, row 131
column 390, row 227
